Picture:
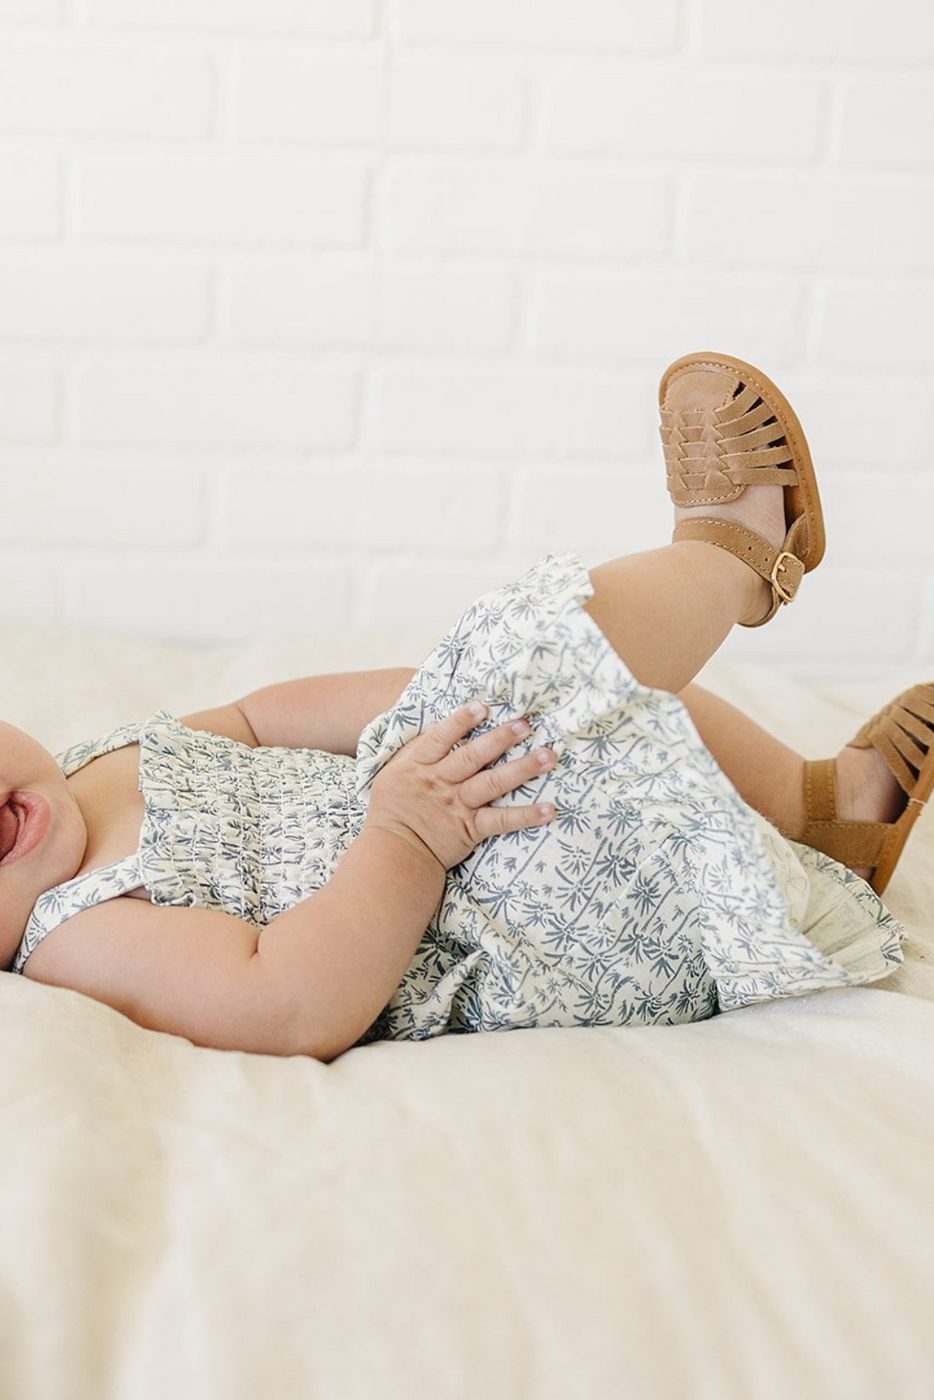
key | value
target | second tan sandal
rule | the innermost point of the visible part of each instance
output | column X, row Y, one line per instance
column 903, row 732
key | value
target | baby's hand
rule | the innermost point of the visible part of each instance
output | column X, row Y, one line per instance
column 439, row 796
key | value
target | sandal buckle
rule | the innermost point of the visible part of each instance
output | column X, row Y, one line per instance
column 786, row 589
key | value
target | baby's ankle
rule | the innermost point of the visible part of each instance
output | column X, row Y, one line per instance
column 759, row 508
column 762, row 510
column 867, row 790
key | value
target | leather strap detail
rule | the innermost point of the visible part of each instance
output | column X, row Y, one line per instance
column 903, row 732
column 712, row 452
column 855, row 844
column 703, row 478
column 783, row 571
column 743, row 405
column 820, row 789
column 851, row 843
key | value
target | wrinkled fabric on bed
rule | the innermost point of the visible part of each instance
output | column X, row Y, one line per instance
column 739, row 1207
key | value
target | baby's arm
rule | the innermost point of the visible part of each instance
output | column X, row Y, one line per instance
column 317, row 976
column 319, row 712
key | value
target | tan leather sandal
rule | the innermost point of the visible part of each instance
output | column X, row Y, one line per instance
column 903, row 732
column 724, row 427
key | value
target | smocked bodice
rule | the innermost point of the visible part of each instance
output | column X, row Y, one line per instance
column 247, row 831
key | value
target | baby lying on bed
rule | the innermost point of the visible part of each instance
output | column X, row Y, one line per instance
column 546, row 825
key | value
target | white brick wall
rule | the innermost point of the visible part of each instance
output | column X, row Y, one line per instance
column 316, row 312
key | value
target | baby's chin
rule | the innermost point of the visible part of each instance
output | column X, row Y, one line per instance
column 16, row 906
column 51, row 861
column 9, row 943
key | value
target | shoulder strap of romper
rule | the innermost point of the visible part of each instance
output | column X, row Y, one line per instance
column 79, row 754
column 62, row 902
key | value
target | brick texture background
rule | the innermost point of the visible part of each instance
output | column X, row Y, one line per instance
column 317, row 312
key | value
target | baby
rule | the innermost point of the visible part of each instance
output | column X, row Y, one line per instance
column 547, row 824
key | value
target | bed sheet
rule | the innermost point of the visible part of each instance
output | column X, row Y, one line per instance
column 738, row 1208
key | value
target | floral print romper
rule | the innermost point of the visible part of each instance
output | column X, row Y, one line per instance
column 655, row 896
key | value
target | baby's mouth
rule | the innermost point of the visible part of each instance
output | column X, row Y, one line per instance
column 24, row 818
column 11, row 822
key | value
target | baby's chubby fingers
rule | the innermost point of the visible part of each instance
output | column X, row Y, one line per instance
column 492, row 783
column 439, row 738
column 496, row 821
column 441, row 784
column 483, row 749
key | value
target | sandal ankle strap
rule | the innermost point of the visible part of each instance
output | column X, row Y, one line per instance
column 852, row 843
column 781, row 570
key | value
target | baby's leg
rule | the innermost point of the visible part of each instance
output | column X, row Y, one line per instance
column 765, row 772
column 770, row 776
column 666, row 612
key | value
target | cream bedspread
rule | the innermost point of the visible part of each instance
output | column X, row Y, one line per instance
column 738, row 1208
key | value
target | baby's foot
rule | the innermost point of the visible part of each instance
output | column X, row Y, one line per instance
column 760, row 509
column 867, row 790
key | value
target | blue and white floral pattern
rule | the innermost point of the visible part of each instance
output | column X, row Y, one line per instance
column 251, row 832
column 656, row 896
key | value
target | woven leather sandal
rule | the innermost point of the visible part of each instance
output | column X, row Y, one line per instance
column 724, row 427
column 903, row 732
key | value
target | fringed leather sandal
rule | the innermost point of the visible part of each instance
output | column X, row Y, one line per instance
column 903, row 732
column 724, row 427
